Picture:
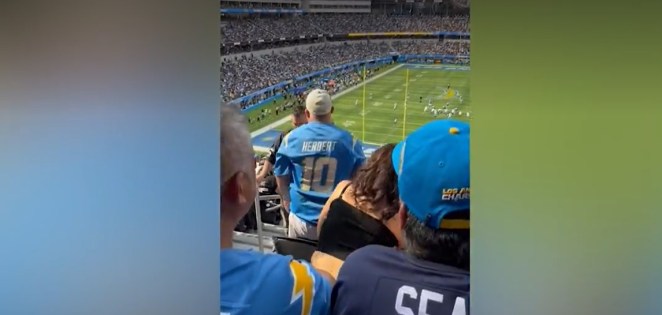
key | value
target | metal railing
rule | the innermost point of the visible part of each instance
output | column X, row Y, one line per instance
column 262, row 240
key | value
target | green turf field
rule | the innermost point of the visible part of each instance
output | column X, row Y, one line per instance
column 383, row 92
column 255, row 125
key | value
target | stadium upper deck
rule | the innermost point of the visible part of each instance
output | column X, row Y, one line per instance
column 252, row 32
column 254, row 28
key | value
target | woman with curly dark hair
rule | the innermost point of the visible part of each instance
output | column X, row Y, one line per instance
column 360, row 212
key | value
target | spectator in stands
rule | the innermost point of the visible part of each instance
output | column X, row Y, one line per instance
column 247, row 74
column 297, row 118
column 360, row 212
column 431, row 274
column 292, row 26
column 253, row 282
column 310, row 163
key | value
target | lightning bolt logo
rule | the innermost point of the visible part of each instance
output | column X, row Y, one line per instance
column 303, row 286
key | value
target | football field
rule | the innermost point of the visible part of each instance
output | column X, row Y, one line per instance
column 389, row 106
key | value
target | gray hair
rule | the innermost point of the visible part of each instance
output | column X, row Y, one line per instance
column 236, row 150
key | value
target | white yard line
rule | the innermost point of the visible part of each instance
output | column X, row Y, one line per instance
column 285, row 119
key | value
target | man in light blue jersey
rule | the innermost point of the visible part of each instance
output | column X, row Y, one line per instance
column 311, row 161
column 253, row 282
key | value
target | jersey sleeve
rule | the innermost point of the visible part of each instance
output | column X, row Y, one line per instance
column 274, row 149
column 283, row 163
column 297, row 289
column 359, row 155
column 311, row 293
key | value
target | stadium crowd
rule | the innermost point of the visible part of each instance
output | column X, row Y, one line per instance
column 245, row 74
column 253, row 29
column 333, row 83
column 368, row 239
column 431, row 47
column 258, row 5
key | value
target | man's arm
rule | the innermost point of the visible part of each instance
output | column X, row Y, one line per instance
column 283, row 183
column 266, row 168
column 271, row 159
column 283, row 172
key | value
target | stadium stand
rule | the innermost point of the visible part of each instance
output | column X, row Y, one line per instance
column 428, row 47
column 372, row 224
column 247, row 74
column 253, row 29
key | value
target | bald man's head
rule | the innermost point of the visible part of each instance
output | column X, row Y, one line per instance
column 238, row 187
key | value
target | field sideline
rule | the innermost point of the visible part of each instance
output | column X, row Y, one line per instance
column 386, row 118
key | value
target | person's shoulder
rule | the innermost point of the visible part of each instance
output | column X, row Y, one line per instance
column 254, row 263
column 260, row 282
column 292, row 135
column 373, row 251
column 281, row 136
column 343, row 184
column 369, row 257
column 299, row 132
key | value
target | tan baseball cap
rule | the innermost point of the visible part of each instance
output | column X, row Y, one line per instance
column 318, row 102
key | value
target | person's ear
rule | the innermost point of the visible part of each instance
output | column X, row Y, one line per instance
column 307, row 114
column 246, row 188
column 230, row 190
column 238, row 189
column 402, row 215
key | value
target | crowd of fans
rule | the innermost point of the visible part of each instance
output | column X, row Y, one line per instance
column 258, row 5
column 246, row 74
column 431, row 47
column 390, row 23
column 253, row 29
column 332, row 82
column 230, row 48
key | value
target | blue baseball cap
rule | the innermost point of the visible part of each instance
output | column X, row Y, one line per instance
column 432, row 165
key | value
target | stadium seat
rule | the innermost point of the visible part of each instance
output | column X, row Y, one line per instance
column 296, row 247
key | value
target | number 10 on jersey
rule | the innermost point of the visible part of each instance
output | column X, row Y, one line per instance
column 313, row 171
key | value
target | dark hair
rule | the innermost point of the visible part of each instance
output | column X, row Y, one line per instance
column 377, row 182
column 448, row 247
column 298, row 110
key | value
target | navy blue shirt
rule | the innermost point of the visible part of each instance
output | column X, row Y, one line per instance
column 378, row 280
